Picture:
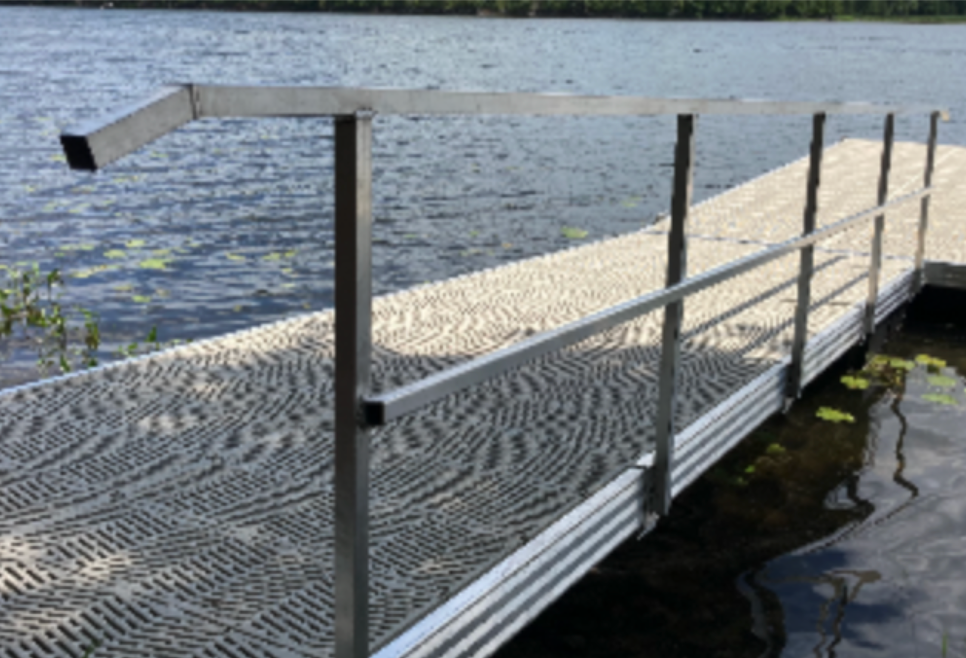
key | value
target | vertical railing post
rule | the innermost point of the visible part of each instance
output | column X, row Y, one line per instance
column 353, row 344
column 673, row 313
column 806, row 260
column 924, row 208
column 876, row 263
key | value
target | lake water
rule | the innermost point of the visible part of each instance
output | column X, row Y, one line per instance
column 810, row 539
column 240, row 211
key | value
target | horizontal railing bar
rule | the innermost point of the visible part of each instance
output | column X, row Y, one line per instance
column 94, row 144
column 383, row 408
column 235, row 101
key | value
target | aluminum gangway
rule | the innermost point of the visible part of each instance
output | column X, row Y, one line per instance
column 158, row 506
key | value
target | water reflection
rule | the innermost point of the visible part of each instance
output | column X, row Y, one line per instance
column 809, row 539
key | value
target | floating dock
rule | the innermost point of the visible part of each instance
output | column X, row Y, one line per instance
column 182, row 504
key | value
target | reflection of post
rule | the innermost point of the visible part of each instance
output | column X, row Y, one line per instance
column 673, row 312
column 353, row 337
column 924, row 208
column 794, row 383
column 876, row 264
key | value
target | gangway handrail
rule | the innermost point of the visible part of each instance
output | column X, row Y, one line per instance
column 386, row 407
column 97, row 143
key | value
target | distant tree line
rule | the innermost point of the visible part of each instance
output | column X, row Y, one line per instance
column 709, row 9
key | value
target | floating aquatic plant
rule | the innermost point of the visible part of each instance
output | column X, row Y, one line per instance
column 834, row 415
column 775, row 449
column 855, row 383
column 941, row 398
column 573, row 233
column 91, row 271
column 153, row 264
column 941, row 381
column 115, row 253
column 235, row 257
column 134, row 244
column 927, row 360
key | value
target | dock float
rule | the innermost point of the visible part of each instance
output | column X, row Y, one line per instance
column 425, row 476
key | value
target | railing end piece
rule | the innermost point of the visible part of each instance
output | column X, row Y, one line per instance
column 374, row 412
column 92, row 146
column 78, row 152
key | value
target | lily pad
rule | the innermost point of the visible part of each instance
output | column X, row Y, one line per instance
column 141, row 299
column 927, row 360
column 91, row 271
column 134, row 244
column 153, row 264
column 290, row 253
column 855, row 383
column 272, row 256
column 124, row 287
column 941, row 398
column 78, row 247
column 161, row 252
column 573, row 233
column 235, row 257
column 834, row 415
column 941, row 381
column 775, row 449
column 115, row 253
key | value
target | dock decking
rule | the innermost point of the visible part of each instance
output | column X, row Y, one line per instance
column 181, row 504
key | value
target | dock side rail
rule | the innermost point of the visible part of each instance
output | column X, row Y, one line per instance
column 96, row 144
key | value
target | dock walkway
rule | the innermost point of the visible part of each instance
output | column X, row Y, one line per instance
column 182, row 504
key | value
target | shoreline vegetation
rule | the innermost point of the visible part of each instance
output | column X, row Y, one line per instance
column 905, row 11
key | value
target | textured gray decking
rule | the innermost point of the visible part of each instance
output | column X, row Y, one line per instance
column 181, row 505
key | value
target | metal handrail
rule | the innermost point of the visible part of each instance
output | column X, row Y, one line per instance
column 386, row 407
column 94, row 144
column 97, row 143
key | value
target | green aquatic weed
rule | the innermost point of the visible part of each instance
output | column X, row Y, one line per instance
column 855, row 383
column 927, row 360
column 775, row 449
column 154, row 264
column 834, row 415
column 573, row 233
column 115, row 253
column 941, row 398
column 941, row 381
column 134, row 244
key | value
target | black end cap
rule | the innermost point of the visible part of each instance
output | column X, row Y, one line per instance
column 78, row 152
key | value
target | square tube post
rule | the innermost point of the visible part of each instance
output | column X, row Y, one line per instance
column 673, row 312
column 924, row 207
column 807, row 260
column 876, row 263
column 353, row 346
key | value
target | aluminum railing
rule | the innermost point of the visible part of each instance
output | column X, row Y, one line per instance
column 96, row 144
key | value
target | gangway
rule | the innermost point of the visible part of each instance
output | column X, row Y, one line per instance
column 397, row 477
